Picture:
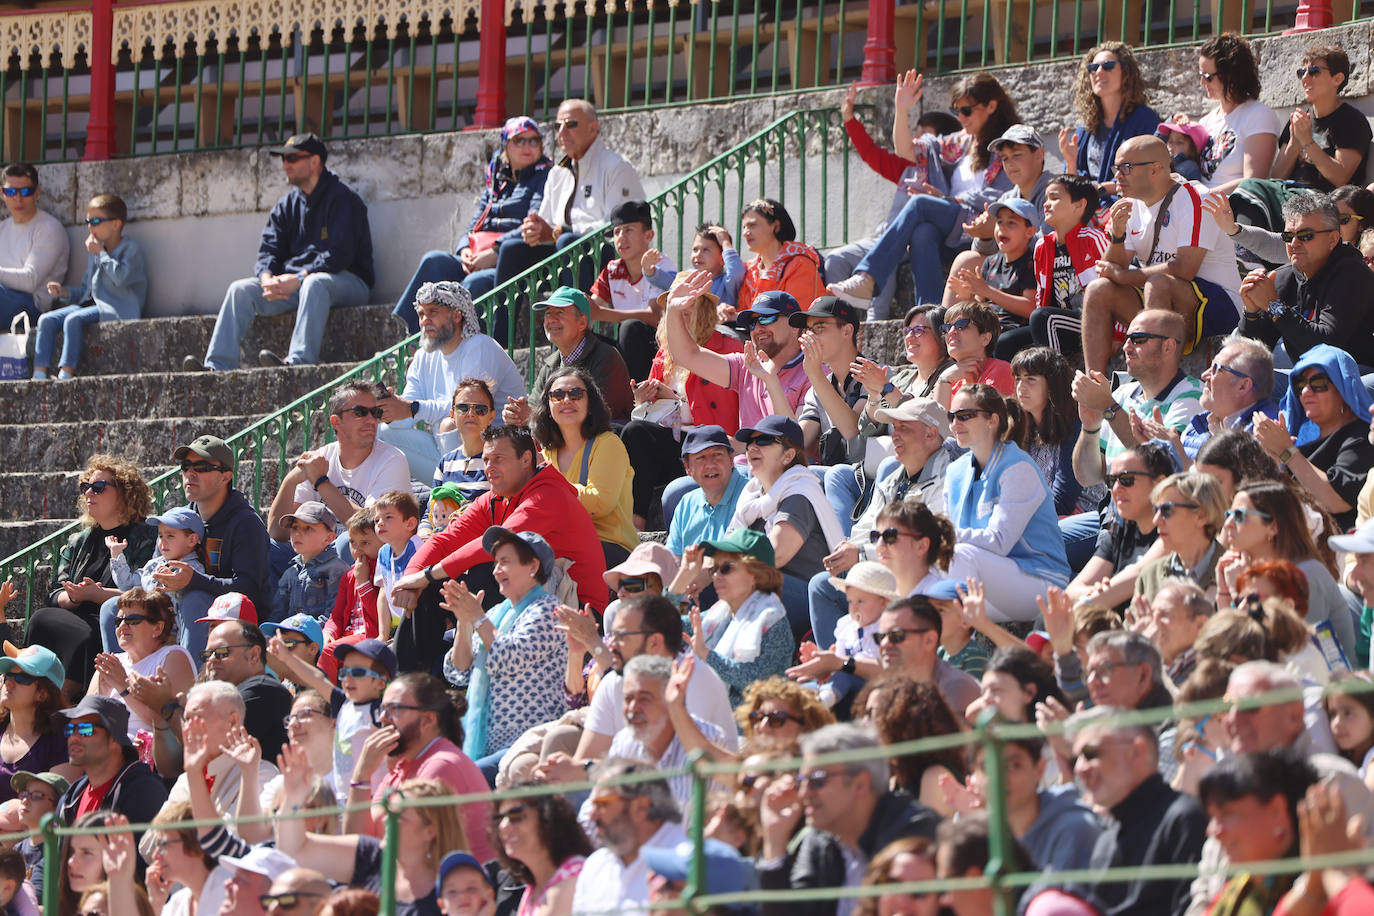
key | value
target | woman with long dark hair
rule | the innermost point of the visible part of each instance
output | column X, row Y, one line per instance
column 540, row 843
column 905, row 711
column 1244, row 131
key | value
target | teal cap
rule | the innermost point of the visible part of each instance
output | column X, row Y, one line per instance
column 563, row 297
column 35, row 660
column 743, row 540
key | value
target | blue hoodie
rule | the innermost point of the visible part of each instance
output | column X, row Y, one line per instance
column 1340, row 367
column 1062, row 837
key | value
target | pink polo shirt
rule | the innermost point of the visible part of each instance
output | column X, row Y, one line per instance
column 444, row 761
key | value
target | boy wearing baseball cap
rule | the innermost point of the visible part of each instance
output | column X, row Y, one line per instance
column 1007, row 279
column 625, row 291
column 311, row 583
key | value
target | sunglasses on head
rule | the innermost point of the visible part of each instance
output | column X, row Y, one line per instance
column 22, row 678
column 1139, row 338
column 568, row 394
column 888, row 536
column 1126, row 478
column 97, row 220
column 1317, row 383
column 201, row 467
column 357, row 672
column 360, row 412
column 1241, row 516
column 480, row 410
column 131, row 620
column 1166, row 510
column 960, row 325
column 19, row 192
column 776, row 718
column 968, row 413
column 633, row 585
column 94, row 486
column 1310, row 70
column 764, row 320
column 84, row 729
column 1107, row 66
column 897, row 636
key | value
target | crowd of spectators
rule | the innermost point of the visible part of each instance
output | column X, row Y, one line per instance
column 462, row 589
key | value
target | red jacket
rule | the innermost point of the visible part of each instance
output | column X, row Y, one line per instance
column 708, row 403
column 546, row 504
column 353, row 599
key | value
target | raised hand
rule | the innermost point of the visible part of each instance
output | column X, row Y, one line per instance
column 1058, row 615
column 847, row 104
column 676, row 692
column 699, row 647
column 243, row 748
column 197, row 750
column 461, row 603
column 1068, row 148
column 908, row 89
column 1219, row 205
column 579, row 627
column 973, row 608
column 297, row 775
column 117, row 849
column 115, row 546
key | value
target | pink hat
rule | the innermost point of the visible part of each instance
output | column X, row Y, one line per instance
column 231, row 606
column 1191, row 129
column 648, row 557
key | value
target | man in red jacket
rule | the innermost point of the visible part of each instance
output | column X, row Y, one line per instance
column 523, row 497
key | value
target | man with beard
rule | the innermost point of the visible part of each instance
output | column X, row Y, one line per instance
column 315, row 253
column 567, row 325
column 452, row 348
column 416, row 738
column 112, row 776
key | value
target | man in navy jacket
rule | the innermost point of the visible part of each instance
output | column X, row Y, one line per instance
column 316, row 252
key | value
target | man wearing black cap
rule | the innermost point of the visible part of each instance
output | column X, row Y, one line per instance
column 836, row 401
column 625, row 293
column 113, row 778
column 315, row 253
column 704, row 514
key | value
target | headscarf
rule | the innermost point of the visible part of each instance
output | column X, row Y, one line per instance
column 456, row 297
column 1344, row 373
column 513, row 127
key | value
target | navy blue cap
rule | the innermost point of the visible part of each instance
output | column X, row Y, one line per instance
column 701, row 438
column 771, row 302
column 459, row 859
column 374, row 649
column 944, row 590
column 774, row 425
column 724, row 869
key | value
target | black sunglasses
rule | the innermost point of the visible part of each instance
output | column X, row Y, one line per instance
column 960, row 325
column 897, row 636
column 1317, row 383
column 1310, row 70
column 1241, row 516
column 964, row 110
column 968, row 413
column 287, row 901
column 480, row 409
column 1126, row 478
column 360, row 412
column 201, row 467
column 765, row 441
column 94, row 486
column 1137, row 338
column 1166, row 510
column 888, row 536
column 131, row 620
column 1302, row 235
column 633, row 585
column 568, row 394
column 1107, row 66
column 22, row 678
column 777, row 718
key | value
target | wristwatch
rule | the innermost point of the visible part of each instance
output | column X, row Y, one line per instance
column 429, row 574
column 1277, row 308
column 321, row 481
column 1286, row 455
column 1110, row 413
column 414, row 408
column 1118, row 239
column 848, row 666
column 887, row 389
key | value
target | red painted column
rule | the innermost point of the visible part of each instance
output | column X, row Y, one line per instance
column 1312, row 15
column 880, row 50
column 100, row 129
column 491, row 72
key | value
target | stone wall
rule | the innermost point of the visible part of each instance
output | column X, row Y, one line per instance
column 199, row 215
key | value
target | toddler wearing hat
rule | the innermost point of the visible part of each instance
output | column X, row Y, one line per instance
column 1187, row 142
column 838, row 673
column 311, row 583
column 179, row 533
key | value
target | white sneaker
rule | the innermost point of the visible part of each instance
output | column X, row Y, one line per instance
column 857, row 290
column 826, row 694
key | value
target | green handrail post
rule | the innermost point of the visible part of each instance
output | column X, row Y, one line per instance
column 390, row 842
column 1000, row 859
column 696, row 875
column 52, row 863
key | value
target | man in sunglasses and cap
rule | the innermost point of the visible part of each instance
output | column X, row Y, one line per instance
column 33, row 247
column 1324, row 294
column 112, row 776
column 315, row 253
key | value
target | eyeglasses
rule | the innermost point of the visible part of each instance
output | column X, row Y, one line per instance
column 723, row 569
column 1220, row 367
column 304, row 717
column 1206, row 77
column 633, row 585
column 131, row 620
column 567, row 394
column 764, row 320
column 964, row 110
column 1124, row 168
column 19, row 192
column 201, row 467
column 222, row 652
column 84, row 729
column 480, row 410
column 1310, row 70
column 567, row 124
column 1347, row 217
column 1107, row 66
column 606, row 801
column 968, row 413
column 620, row 635
column 359, row 672
column 1241, row 516
column 1302, row 235
column 515, row 814
column 1126, row 478
column 359, row 411
column 1166, row 510
column 889, row 536
column 960, row 325
column 897, row 636
column 1103, row 671
column 95, row 486
column 390, row 709
column 777, row 718
column 1317, row 383
column 22, row 678
column 287, row 901
column 37, row 797
column 527, row 141
column 813, row 779
column 916, row 330
column 97, row 220
column 1140, row 338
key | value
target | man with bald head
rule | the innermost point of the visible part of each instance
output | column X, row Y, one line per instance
column 583, row 187
column 298, row 891
column 1184, row 262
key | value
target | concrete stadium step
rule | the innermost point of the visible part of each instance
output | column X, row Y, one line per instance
column 66, row 446
column 15, row 536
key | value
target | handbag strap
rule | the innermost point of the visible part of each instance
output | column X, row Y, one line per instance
column 1160, row 217
column 586, row 464
column 21, row 318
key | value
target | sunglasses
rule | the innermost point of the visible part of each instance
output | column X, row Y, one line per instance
column 633, row 585
column 84, row 729
column 97, row 220
column 94, row 486
column 480, row 410
column 528, row 141
column 1347, row 217
column 960, row 325
column 568, row 394
column 1206, row 77
column 1124, row 168
column 815, row 779
column 293, row 643
column 1126, row 478
column 567, row 124
column 1107, row 66
column 1218, row 368
column 1302, row 235
column 131, row 620
column 897, row 636
column 515, row 814
column 723, row 569
column 1166, row 510
column 1139, row 338
column 19, row 192
column 916, row 330
column 1310, row 70
column 1317, row 383
column 221, row 653
column 964, row 110
column 775, row 719
column 968, row 413
column 606, row 801
column 287, row 901
column 22, row 678
column 1241, row 516
column 889, row 536
column 356, row 672
column 360, row 412
column 201, row 467
column 765, row 441
column 765, row 320
column 294, row 157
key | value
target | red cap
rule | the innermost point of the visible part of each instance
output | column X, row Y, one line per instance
column 231, row 606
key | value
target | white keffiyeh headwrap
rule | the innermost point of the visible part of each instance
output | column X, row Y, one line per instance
column 456, row 297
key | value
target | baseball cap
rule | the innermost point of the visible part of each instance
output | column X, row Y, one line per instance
column 39, row 661
column 458, row 860
column 725, row 870
column 1020, row 206
column 301, row 143
column 700, row 438
column 1361, row 540
column 212, row 448
column 303, row 624
column 496, row 535
column 1192, row 130
column 871, row 577
column 742, row 540
column 922, row 410
column 374, row 649
column 774, row 425
column 23, row 777
column 1037, row 640
column 231, row 606
column 649, row 557
column 771, row 302
column 563, row 297
column 1023, row 134
column 262, row 860
column 114, row 715
column 944, row 590
column 183, row 518
column 632, row 211
column 312, row 513
column 826, row 307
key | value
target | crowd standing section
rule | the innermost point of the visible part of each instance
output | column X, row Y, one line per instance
column 709, row 523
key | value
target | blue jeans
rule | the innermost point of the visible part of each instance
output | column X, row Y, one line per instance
column 12, row 302
column 1080, row 538
column 71, row 320
column 828, row 607
column 437, row 266
column 244, row 301
column 920, row 229
column 794, row 600
column 490, row 765
column 843, row 493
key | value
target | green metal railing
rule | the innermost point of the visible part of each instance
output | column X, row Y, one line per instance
column 999, row 875
column 773, row 162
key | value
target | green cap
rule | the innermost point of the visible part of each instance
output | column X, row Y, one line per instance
column 563, row 297
column 743, row 540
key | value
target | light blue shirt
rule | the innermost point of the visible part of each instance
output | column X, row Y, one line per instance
column 696, row 520
column 116, row 281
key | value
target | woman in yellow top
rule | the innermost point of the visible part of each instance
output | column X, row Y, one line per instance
column 573, row 425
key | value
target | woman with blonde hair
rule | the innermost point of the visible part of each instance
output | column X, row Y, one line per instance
column 1189, row 511
column 1109, row 95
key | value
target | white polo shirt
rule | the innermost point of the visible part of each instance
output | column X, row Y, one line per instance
column 604, row 180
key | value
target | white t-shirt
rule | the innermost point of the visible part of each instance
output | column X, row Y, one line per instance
column 1226, row 161
column 1186, row 225
column 707, row 699
column 384, row 470
column 433, row 376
